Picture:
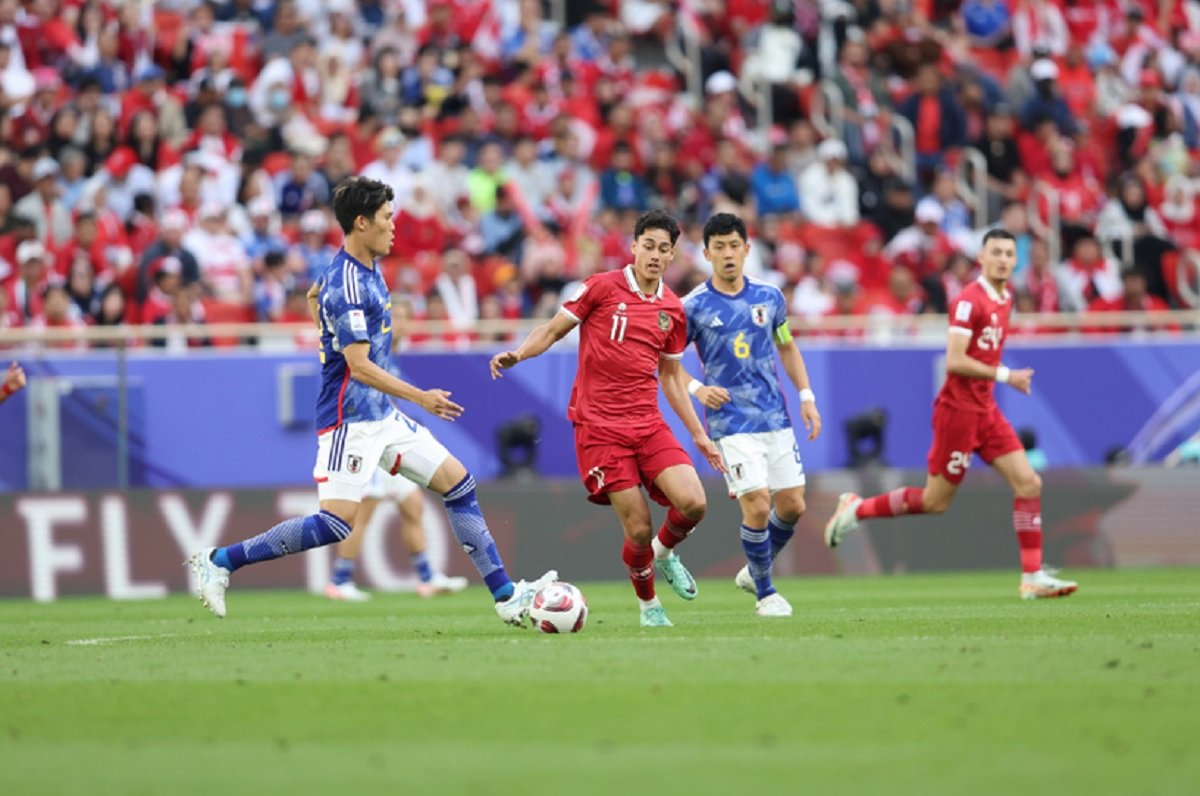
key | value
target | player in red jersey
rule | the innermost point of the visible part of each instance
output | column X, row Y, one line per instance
column 966, row 420
column 632, row 333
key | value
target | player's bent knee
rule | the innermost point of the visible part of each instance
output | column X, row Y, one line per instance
column 789, row 507
column 756, row 509
column 693, row 506
column 1030, row 486
column 639, row 534
column 935, row 505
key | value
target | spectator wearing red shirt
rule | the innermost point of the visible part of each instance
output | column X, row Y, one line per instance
column 1075, row 83
column 1077, row 198
column 1134, row 298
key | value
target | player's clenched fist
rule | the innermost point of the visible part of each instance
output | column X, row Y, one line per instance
column 1021, row 379
column 713, row 397
column 503, row 361
column 437, row 402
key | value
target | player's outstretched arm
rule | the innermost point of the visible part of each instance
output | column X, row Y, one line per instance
column 674, row 379
column 364, row 371
column 14, row 381
column 537, row 343
column 960, row 363
column 793, row 365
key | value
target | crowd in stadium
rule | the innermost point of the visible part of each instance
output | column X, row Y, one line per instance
column 172, row 161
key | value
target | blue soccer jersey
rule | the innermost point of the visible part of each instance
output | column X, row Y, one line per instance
column 735, row 337
column 356, row 307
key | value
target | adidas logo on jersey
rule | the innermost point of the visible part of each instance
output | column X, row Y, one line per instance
column 715, row 323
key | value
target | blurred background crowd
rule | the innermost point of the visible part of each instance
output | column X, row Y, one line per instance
column 172, row 162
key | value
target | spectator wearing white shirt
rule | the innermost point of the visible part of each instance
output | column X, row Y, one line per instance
column 224, row 264
column 390, row 168
column 456, row 286
column 828, row 192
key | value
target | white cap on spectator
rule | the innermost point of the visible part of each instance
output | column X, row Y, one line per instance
column 720, row 82
column 259, row 206
column 211, row 210
column 44, row 167
column 313, row 221
column 831, row 149
column 30, row 250
column 930, row 211
column 1044, row 69
column 204, row 159
column 175, row 219
column 390, row 136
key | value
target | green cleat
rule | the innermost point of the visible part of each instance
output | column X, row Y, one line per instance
column 655, row 617
column 676, row 574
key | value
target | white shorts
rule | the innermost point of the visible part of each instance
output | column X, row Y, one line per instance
column 761, row 460
column 348, row 455
column 385, row 486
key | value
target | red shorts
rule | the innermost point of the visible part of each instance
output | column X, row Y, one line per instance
column 957, row 433
column 612, row 458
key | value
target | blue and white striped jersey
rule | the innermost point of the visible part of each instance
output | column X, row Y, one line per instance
column 356, row 306
column 736, row 338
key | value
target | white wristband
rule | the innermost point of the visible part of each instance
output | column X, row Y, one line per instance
column 694, row 386
column 807, row 396
column 1002, row 374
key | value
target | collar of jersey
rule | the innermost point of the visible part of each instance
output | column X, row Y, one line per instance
column 355, row 260
column 631, row 280
column 991, row 291
column 739, row 294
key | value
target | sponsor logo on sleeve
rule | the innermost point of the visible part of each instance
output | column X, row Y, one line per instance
column 358, row 321
column 962, row 313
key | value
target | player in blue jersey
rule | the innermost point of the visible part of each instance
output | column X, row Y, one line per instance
column 359, row 428
column 738, row 323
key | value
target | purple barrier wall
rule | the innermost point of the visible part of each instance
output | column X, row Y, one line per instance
column 211, row 419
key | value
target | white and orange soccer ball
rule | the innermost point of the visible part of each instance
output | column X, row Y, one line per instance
column 558, row 607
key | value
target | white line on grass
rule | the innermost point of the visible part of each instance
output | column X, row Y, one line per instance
column 92, row 642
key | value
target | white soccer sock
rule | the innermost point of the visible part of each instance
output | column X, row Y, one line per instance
column 661, row 551
column 654, row 603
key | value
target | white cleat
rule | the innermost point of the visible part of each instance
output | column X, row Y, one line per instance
column 843, row 520
column 744, row 582
column 515, row 610
column 773, row 605
column 442, row 584
column 1041, row 584
column 211, row 580
column 347, row 592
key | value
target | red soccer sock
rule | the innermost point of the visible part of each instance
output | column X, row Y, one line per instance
column 1027, row 519
column 905, row 500
column 675, row 528
column 640, row 563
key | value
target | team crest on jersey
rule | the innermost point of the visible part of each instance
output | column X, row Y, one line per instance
column 664, row 321
column 353, row 463
column 758, row 314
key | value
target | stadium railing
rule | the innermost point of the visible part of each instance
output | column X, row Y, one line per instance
column 871, row 330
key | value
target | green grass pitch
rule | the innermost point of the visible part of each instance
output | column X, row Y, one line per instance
column 891, row 685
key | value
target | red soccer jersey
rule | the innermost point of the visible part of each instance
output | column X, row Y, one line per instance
column 982, row 314
column 622, row 335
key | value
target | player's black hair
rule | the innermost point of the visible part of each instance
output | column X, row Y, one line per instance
column 724, row 224
column 656, row 219
column 998, row 233
column 359, row 196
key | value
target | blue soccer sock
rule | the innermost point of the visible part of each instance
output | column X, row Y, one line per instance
column 757, row 546
column 289, row 536
column 420, row 565
column 343, row 570
column 781, row 532
column 471, row 531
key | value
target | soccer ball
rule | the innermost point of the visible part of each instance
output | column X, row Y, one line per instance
column 558, row 608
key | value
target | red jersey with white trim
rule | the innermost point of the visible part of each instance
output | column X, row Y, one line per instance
column 622, row 335
column 982, row 314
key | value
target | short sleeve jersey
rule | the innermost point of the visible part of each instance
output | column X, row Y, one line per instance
column 736, row 338
column 355, row 307
column 622, row 335
column 981, row 314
